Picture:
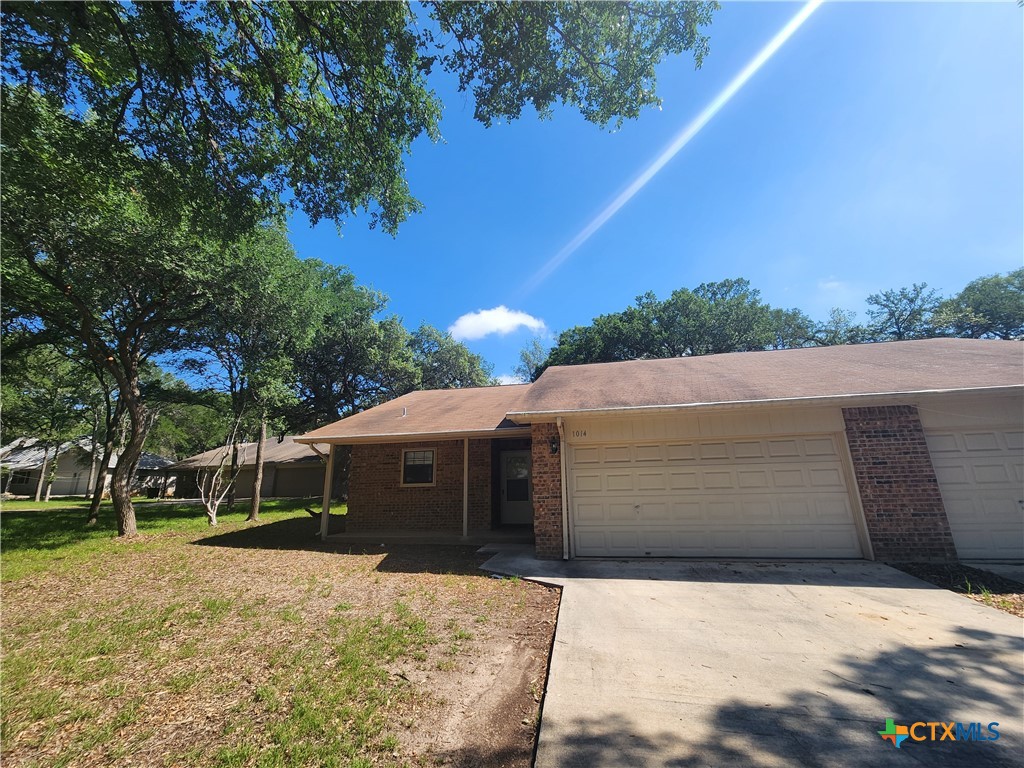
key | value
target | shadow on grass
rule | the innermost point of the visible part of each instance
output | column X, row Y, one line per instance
column 302, row 533
column 54, row 528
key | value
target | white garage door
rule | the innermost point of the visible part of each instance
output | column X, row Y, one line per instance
column 981, row 478
column 759, row 497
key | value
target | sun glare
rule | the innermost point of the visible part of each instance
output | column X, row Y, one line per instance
column 677, row 144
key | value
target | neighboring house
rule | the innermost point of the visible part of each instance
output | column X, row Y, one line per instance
column 76, row 469
column 290, row 469
column 896, row 451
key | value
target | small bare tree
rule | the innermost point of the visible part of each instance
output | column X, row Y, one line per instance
column 215, row 485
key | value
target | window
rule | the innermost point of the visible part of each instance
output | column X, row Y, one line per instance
column 417, row 467
column 20, row 478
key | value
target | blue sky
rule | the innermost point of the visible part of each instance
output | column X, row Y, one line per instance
column 881, row 145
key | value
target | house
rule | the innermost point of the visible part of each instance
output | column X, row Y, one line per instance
column 76, row 468
column 905, row 450
column 290, row 469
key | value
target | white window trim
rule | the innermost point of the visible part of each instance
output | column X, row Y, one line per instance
column 433, row 474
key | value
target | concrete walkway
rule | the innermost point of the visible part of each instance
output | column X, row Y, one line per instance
column 660, row 663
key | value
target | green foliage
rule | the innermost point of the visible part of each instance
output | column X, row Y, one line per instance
column 248, row 101
column 355, row 360
column 840, row 328
column 727, row 316
column 101, row 249
column 905, row 313
column 531, row 360
column 990, row 306
column 265, row 315
column 597, row 57
column 444, row 363
column 45, row 396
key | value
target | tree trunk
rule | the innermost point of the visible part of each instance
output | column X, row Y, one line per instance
column 121, row 488
column 42, row 473
column 234, row 475
column 113, row 419
column 101, row 481
column 254, row 509
column 93, row 454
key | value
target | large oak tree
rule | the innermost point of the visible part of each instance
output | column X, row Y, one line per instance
column 324, row 100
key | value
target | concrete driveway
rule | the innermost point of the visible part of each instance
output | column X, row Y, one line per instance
column 754, row 664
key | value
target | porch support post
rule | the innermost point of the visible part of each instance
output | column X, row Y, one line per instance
column 325, row 511
column 465, row 487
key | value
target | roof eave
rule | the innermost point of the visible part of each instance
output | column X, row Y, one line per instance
column 412, row 437
column 530, row 417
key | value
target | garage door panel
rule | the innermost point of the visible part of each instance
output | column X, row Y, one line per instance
column 713, row 451
column 782, row 448
column 788, row 478
column 649, row 453
column 592, row 512
column 680, row 452
column 991, row 473
column 687, row 511
column 820, row 446
column 586, row 481
column 683, row 481
column 749, row 450
column 651, row 481
column 618, row 481
column 717, row 479
column 826, row 479
column 752, row 478
column 981, row 441
column 617, row 454
column 757, row 511
column 586, row 455
column 621, row 513
column 770, row 497
column 981, row 474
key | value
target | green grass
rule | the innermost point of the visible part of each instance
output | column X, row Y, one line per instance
column 37, row 536
column 325, row 699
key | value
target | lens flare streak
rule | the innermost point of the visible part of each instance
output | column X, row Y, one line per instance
column 674, row 147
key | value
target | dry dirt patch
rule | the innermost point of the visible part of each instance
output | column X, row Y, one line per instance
column 985, row 587
column 195, row 651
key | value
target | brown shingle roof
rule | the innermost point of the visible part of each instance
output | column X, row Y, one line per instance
column 435, row 412
column 740, row 377
column 287, row 451
column 816, row 372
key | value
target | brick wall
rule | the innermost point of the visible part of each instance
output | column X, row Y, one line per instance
column 898, row 488
column 376, row 498
column 547, row 493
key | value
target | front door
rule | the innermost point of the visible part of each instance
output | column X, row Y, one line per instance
column 516, row 492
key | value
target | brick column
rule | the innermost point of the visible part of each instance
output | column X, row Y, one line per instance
column 898, row 489
column 547, row 493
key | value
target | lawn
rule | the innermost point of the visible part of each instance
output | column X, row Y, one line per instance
column 256, row 645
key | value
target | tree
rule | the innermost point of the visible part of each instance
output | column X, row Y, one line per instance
column 444, row 363
column 100, row 247
column 901, row 314
column 246, row 101
column 840, row 328
column 790, row 328
column 47, row 397
column 990, row 306
column 531, row 361
column 253, row 333
column 726, row 316
column 355, row 361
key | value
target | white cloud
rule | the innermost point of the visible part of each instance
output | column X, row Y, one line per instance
column 509, row 378
column 500, row 320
